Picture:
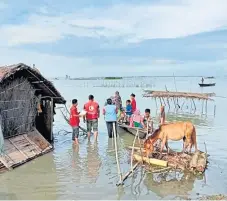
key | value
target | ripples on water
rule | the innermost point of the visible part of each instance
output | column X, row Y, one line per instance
column 89, row 172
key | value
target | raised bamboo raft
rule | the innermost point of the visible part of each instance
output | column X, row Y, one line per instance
column 194, row 162
column 172, row 94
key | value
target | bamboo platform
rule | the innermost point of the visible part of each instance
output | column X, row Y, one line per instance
column 194, row 162
column 171, row 94
column 23, row 148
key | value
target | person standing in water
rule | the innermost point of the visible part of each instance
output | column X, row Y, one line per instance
column 74, row 121
column 162, row 115
column 202, row 80
column 133, row 102
column 110, row 114
column 92, row 116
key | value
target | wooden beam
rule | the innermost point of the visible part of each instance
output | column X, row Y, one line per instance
column 52, row 119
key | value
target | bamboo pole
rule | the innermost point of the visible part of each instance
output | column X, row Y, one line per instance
column 194, row 104
column 127, row 174
column 214, row 110
column 116, row 152
column 133, row 145
column 202, row 106
column 141, row 152
column 151, row 160
column 156, row 104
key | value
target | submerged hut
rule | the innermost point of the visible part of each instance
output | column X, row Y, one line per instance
column 27, row 102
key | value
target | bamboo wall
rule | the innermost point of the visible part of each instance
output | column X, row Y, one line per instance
column 19, row 111
column 18, row 107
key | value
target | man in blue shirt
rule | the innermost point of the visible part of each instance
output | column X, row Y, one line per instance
column 110, row 114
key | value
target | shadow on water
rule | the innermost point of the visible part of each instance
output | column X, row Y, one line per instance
column 92, row 162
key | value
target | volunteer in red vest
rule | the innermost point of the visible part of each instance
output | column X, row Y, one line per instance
column 92, row 116
column 75, row 121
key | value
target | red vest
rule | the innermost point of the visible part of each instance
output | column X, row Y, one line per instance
column 74, row 121
column 92, row 109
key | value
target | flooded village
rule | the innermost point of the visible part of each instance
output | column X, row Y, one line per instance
column 40, row 158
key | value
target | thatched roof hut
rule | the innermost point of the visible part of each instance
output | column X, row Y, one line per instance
column 27, row 102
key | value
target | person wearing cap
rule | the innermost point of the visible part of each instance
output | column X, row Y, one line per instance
column 110, row 114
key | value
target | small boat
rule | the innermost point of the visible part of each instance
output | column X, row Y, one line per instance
column 206, row 85
column 133, row 130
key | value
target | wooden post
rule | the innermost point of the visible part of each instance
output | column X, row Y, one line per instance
column 116, row 153
column 194, row 104
column 160, row 101
column 206, row 106
column 167, row 99
column 214, row 110
column 51, row 120
column 156, row 104
column 202, row 106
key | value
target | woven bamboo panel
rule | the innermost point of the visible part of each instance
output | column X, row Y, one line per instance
column 23, row 148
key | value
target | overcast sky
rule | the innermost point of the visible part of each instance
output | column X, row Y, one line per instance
column 120, row 37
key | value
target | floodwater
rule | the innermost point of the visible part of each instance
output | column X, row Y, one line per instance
column 90, row 171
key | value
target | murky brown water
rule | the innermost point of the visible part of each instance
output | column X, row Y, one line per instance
column 89, row 172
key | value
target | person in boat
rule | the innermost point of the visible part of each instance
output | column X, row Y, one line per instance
column 162, row 115
column 74, row 121
column 117, row 100
column 92, row 116
column 121, row 116
column 128, row 110
column 133, row 102
column 147, row 120
column 137, row 120
column 110, row 114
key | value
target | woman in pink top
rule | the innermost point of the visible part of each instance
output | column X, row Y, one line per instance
column 137, row 120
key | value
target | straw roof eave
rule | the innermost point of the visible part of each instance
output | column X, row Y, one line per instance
column 46, row 87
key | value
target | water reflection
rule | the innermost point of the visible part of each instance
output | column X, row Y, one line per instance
column 170, row 183
column 92, row 162
column 197, row 120
column 31, row 180
column 77, row 164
